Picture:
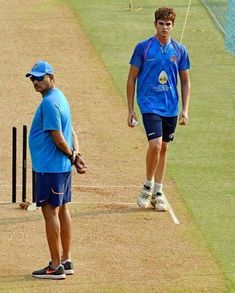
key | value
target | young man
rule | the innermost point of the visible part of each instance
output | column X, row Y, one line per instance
column 54, row 147
column 155, row 65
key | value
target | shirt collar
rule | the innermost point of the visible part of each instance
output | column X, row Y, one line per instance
column 163, row 45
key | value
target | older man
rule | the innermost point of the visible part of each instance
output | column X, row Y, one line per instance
column 54, row 147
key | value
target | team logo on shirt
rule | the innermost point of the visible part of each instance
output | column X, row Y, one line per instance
column 163, row 78
column 173, row 58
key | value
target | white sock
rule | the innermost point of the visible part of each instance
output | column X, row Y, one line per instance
column 148, row 183
column 55, row 267
column 64, row 261
column 157, row 187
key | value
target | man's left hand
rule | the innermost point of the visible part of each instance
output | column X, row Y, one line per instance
column 183, row 118
column 80, row 164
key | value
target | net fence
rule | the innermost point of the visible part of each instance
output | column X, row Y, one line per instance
column 223, row 13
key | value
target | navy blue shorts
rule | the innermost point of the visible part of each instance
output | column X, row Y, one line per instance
column 159, row 126
column 52, row 188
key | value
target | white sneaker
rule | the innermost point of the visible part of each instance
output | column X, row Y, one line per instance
column 143, row 199
column 158, row 202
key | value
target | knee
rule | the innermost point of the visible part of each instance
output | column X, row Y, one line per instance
column 49, row 212
column 63, row 211
column 155, row 146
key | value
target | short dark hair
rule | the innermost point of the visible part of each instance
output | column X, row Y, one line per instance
column 165, row 13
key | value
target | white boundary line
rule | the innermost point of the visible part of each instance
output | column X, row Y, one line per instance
column 94, row 186
column 185, row 21
column 172, row 214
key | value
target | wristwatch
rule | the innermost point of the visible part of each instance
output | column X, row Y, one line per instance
column 71, row 156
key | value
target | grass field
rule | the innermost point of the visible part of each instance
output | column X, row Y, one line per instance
column 117, row 247
column 201, row 160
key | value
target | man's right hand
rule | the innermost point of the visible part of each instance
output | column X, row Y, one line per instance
column 79, row 164
column 131, row 117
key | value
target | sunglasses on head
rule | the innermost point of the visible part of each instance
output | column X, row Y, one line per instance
column 38, row 78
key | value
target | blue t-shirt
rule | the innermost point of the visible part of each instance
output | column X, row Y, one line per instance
column 157, row 80
column 53, row 113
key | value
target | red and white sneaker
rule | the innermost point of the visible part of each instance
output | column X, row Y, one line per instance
column 50, row 273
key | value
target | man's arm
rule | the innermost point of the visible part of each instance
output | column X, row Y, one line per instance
column 131, row 82
column 74, row 154
column 185, row 96
column 60, row 142
column 77, row 159
column 75, row 141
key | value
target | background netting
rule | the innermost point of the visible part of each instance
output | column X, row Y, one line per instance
column 223, row 13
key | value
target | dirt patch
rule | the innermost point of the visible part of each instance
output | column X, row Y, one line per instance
column 116, row 247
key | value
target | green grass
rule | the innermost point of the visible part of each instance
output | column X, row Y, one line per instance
column 201, row 160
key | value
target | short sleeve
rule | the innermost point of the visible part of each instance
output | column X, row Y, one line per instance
column 137, row 56
column 184, row 63
column 51, row 116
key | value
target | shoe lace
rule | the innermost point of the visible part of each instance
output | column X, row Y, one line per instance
column 144, row 195
column 159, row 201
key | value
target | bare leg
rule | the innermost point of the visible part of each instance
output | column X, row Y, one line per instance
column 52, row 222
column 152, row 157
column 66, row 231
column 161, row 167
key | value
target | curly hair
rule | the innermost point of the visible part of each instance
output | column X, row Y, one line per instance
column 165, row 13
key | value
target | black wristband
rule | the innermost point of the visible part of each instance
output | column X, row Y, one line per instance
column 70, row 157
